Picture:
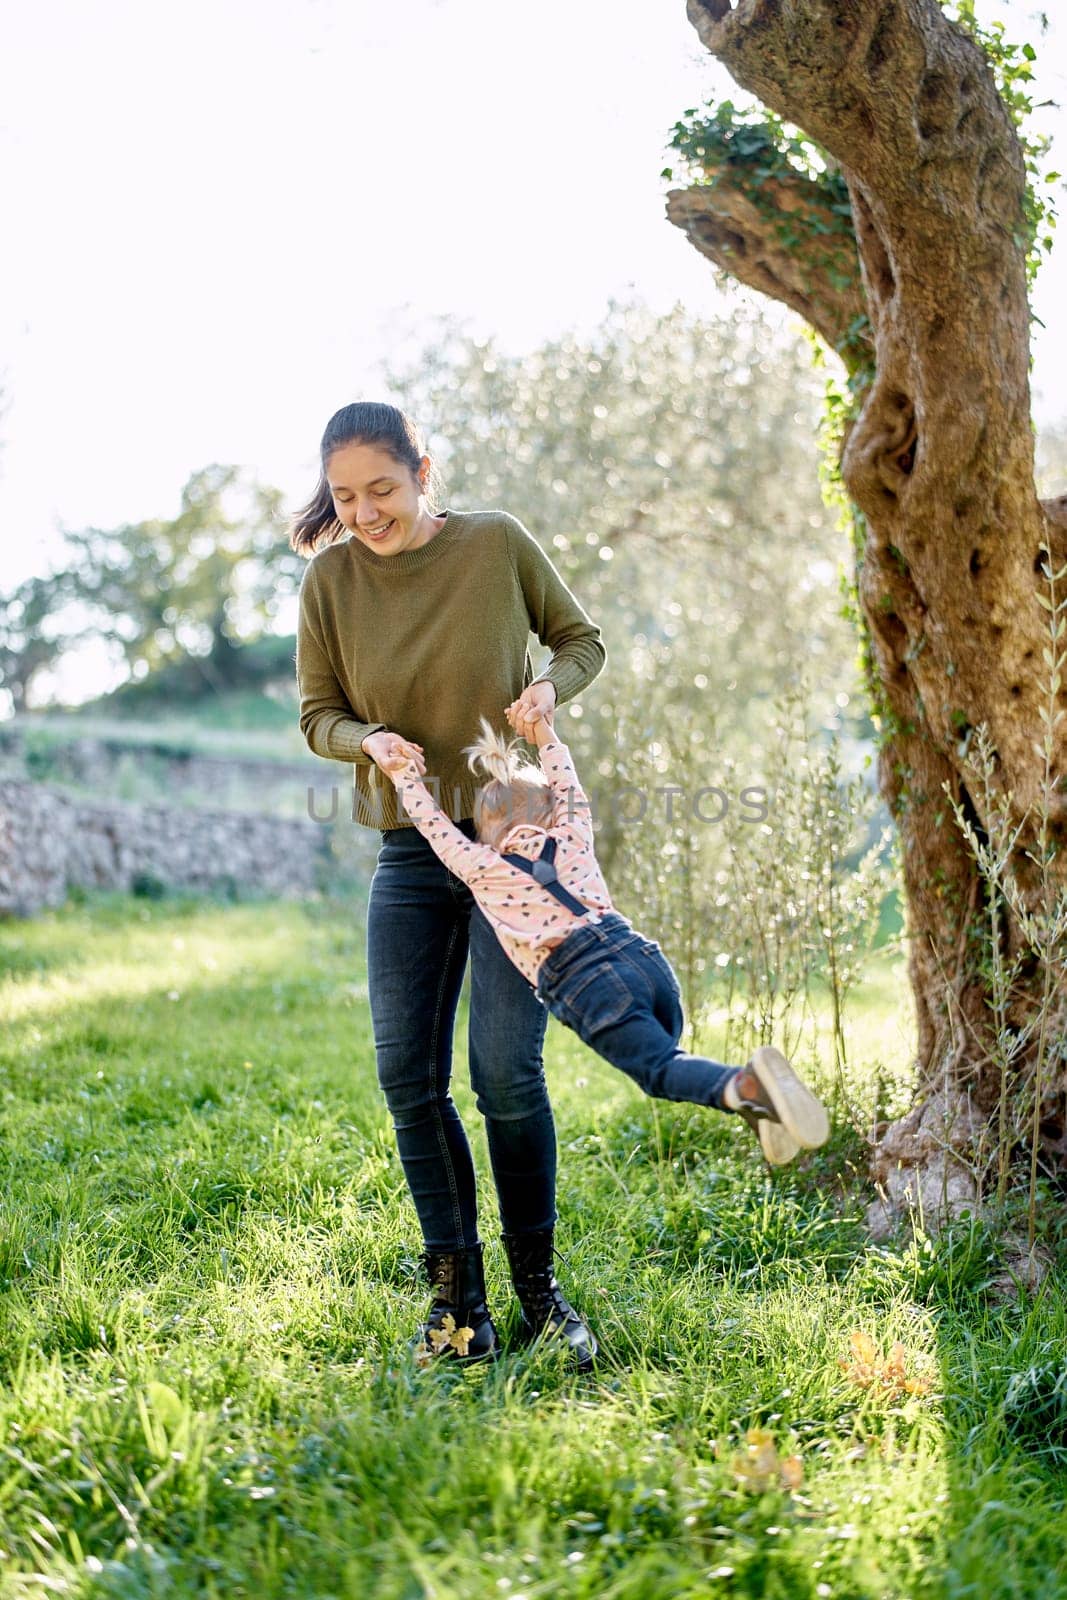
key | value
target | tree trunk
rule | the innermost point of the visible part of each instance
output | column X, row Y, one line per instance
column 939, row 463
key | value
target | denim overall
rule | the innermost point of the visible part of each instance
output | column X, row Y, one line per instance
column 617, row 991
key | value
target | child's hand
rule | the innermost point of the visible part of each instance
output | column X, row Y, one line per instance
column 543, row 731
column 395, row 754
column 538, row 700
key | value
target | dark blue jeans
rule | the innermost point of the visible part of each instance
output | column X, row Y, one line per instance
column 421, row 923
column 617, row 990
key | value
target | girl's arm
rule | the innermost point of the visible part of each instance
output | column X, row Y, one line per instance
column 459, row 854
column 572, row 804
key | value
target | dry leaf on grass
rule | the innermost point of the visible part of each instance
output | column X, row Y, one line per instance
column 441, row 1339
column 869, row 1369
column 759, row 1467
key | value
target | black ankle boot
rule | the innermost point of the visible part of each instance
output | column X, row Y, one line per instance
column 544, row 1310
column 459, row 1325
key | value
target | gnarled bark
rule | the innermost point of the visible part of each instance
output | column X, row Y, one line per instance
column 939, row 461
column 819, row 276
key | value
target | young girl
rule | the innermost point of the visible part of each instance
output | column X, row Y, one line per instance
column 537, row 881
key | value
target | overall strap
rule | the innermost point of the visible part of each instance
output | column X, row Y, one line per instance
column 543, row 871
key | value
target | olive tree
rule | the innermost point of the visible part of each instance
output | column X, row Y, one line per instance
column 883, row 190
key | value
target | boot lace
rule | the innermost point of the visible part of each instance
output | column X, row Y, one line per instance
column 539, row 1293
column 442, row 1277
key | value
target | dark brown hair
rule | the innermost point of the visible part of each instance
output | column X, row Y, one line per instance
column 363, row 422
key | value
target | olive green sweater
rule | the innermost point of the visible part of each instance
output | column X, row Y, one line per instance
column 426, row 642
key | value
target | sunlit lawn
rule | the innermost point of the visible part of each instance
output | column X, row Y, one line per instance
column 207, row 1266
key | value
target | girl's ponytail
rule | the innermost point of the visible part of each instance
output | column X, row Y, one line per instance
column 516, row 791
column 492, row 754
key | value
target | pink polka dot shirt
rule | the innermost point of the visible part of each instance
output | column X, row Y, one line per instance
column 528, row 921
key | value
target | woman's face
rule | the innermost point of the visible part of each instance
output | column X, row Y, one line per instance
column 379, row 499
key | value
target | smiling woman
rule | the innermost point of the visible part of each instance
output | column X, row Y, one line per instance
column 414, row 624
column 379, row 504
column 375, row 473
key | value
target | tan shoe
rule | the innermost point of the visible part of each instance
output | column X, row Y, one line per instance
column 779, row 1108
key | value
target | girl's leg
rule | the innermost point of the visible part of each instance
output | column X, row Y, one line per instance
column 507, row 1030
column 417, row 935
column 619, row 993
column 621, row 997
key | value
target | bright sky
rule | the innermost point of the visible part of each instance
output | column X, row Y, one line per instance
column 218, row 214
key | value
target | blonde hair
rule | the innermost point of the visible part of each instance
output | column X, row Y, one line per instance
column 516, row 790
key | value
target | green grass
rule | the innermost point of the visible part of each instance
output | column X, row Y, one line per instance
column 239, row 723
column 138, row 762
column 208, row 1277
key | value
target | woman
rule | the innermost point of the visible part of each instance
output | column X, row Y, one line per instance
column 420, row 620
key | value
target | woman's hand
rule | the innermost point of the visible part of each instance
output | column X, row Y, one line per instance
column 393, row 753
column 534, row 702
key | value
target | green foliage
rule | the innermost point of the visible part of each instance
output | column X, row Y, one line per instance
column 186, row 594
column 237, row 723
column 1035, row 1406
column 147, row 886
column 258, row 675
column 752, row 148
column 764, row 885
column 800, row 895
column 755, row 140
column 32, row 634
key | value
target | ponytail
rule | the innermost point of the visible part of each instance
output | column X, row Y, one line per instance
column 516, row 791
column 495, row 755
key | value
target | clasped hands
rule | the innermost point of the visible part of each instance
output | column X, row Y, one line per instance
column 530, row 715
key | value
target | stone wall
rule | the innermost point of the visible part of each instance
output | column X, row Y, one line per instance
column 51, row 842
